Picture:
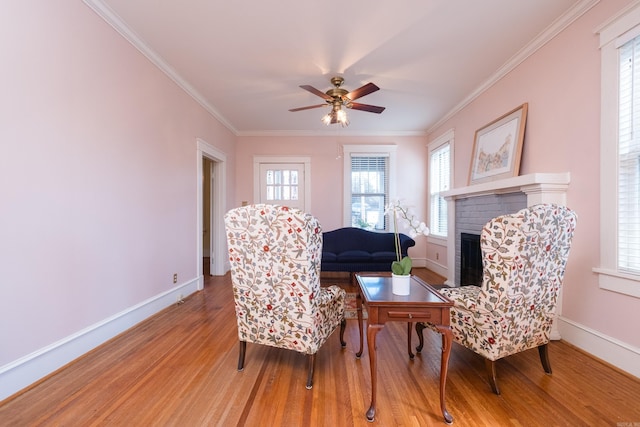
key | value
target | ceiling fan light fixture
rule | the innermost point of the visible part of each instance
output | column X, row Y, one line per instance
column 342, row 117
column 336, row 115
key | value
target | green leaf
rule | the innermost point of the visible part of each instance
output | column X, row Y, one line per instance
column 403, row 267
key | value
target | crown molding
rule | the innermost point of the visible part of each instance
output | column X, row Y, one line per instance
column 329, row 133
column 537, row 43
column 112, row 18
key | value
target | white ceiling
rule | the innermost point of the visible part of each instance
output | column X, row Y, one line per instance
column 245, row 60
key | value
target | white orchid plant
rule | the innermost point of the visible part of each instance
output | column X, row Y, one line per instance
column 403, row 217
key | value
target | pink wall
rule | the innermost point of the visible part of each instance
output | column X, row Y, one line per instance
column 561, row 83
column 97, row 175
column 98, row 170
column 327, row 172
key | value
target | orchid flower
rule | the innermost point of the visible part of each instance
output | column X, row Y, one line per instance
column 407, row 219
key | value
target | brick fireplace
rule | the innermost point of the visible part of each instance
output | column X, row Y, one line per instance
column 470, row 208
column 472, row 213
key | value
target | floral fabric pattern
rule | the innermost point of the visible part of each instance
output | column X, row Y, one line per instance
column 524, row 257
column 275, row 254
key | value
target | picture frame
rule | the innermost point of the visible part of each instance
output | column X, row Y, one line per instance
column 497, row 147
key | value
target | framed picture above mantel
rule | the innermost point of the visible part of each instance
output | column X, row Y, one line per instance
column 497, row 147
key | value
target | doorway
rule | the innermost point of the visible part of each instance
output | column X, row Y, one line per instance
column 215, row 162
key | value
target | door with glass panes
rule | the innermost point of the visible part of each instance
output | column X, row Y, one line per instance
column 282, row 184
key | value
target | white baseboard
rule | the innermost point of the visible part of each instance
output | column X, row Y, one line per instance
column 611, row 350
column 23, row 372
column 436, row 267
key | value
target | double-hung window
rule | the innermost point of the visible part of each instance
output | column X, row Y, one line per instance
column 619, row 268
column 368, row 171
column 440, row 170
column 628, row 157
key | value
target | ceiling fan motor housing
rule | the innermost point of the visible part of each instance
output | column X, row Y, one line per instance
column 337, row 93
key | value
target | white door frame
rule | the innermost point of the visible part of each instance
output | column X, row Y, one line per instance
column 218, row 199
column 306, row 161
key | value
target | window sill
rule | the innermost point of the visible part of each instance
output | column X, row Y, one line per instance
column 437, row 240
column 621, row 283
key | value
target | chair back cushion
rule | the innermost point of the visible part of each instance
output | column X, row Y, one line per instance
column 275, row 254
column 524, row 257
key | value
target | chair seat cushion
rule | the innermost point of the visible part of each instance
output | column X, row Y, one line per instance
column 462, row 296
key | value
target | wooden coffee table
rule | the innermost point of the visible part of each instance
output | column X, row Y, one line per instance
column 423, row 304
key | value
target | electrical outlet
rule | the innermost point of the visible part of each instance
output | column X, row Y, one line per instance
column 437, row 256
column 175, row 277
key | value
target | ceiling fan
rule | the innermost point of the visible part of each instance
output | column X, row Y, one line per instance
column 337, row 97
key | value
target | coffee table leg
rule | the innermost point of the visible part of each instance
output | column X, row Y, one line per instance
column 420, row 326
column 409, row 327
column 359, row 310
column 447, row 338
column 372, row 331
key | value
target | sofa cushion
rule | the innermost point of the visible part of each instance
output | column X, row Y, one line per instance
column 383, row 256
column 329, row 257
column 354, row 256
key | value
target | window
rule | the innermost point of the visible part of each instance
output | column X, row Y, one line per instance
column 283, row 181
column 368, row 171
column 281, row 184
column 439, row 180
column 619, row 268
column 628, row 155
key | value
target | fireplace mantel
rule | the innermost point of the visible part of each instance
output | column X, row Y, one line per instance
column 538, row 188
column 543, row 188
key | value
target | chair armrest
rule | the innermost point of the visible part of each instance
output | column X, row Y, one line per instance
column 464, row 297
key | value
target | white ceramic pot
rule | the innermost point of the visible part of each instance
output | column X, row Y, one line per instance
column 400, row 285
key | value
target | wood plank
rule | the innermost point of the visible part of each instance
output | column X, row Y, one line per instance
column 179, row 368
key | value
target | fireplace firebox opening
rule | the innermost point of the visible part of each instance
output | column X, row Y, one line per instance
column 470, row 259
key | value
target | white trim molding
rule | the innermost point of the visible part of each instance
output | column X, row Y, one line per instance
column 27, row 370
column 541, row 40
column 613, row 351
column 219, row 192
column 613, row 32
column 112, row 18
column 388, row 150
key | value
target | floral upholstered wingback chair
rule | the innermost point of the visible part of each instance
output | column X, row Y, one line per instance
column 524, row 257
column 275, row 254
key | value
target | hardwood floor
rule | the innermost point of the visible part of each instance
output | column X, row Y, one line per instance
column 178, row 368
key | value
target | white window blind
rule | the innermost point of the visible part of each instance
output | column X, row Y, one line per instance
column 628, row 158
column 439, row 176
column 369, row 190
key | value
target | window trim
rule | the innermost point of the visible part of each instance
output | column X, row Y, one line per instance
column 373, row 150
column 609, row 277
column 446, row 138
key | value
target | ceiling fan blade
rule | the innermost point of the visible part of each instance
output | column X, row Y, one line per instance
column 366, row 107
column 307, row 108
column 315, row 91
column 362, row 91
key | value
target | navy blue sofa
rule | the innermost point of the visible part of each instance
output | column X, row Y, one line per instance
column 353, row 249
